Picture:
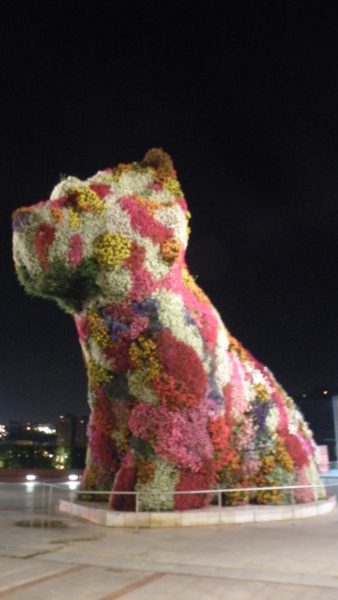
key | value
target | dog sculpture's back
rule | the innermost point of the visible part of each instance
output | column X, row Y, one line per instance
column 176, row 402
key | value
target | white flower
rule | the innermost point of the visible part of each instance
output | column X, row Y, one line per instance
column 174, row 217
column 153, row 260
column 272, row 419
column 115, row 285
column 171, row 316
column 22, row 252
column 103, row 177
column 222, row 364
column 117, row 219
column 65, row 186
column 133, row 182
column 164, row 479
column 94, row 352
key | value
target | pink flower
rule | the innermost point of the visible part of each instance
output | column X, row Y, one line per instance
column 82, row 326
column 303, row 494
column 75, row 250
column 180, row 437
column 157, row 187
column 44, row 237
column 137, row 326
column 143, row 222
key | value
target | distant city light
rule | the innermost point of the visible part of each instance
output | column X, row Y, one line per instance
column 3, row 431
column 325, row 392
column 45, row 429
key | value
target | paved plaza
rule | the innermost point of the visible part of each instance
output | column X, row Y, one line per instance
column 281, row 560
column 236, row 562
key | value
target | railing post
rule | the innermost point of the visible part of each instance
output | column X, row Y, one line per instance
column 50, row 500
column 32, row 505
column 293, row 506
column 43, row 497
column 219, row 494
column 72, row 495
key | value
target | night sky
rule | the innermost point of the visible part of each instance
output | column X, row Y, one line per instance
column 244, row 96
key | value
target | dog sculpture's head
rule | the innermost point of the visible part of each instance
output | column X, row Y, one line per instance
column 91, row 238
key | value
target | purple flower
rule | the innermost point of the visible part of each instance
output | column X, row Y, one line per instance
column 260, row 412
column 20, row 220
column 147, row 307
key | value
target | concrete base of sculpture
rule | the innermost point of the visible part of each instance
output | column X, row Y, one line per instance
column 211, row 515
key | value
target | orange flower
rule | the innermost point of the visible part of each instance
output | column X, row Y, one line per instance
column 170, row 250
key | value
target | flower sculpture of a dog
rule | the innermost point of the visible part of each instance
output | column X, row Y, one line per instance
column 176, row 402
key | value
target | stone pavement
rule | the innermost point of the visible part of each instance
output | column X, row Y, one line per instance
column 281, row 560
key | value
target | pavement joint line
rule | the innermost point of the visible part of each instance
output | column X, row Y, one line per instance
column 33, row 582
column 133, row 586
column 229, row 573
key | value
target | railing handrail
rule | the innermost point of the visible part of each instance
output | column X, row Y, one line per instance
column 187, row 492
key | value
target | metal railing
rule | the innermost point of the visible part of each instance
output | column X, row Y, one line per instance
column 52, row 492
column 42, row 497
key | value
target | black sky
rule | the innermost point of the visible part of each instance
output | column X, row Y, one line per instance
column 244, row 96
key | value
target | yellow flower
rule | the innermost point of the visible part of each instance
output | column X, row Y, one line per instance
column 111, row 249
column 190, row 283
column 143, row 355
column 121, row 168
column 188, row 217
column 173, row 186
column 120, row 440
column 98, row 329
column 236, row 346
column 86, row 200
column 268, row 464
column 283, row 457
column 97, row 374
column 74, row 219
column 262, row 392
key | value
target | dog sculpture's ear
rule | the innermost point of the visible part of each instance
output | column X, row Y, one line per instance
column 161, row 161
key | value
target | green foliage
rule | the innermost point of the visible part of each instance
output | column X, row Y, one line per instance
column 141, row 447
column 70, row 288
column 22, row 456
column 34, row 456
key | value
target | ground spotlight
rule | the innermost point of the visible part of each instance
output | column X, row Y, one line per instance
column 73, row 484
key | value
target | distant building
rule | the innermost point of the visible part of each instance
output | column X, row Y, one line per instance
column 72, row 430
column 320, row 410
column 81, row 431
column 65, row 428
